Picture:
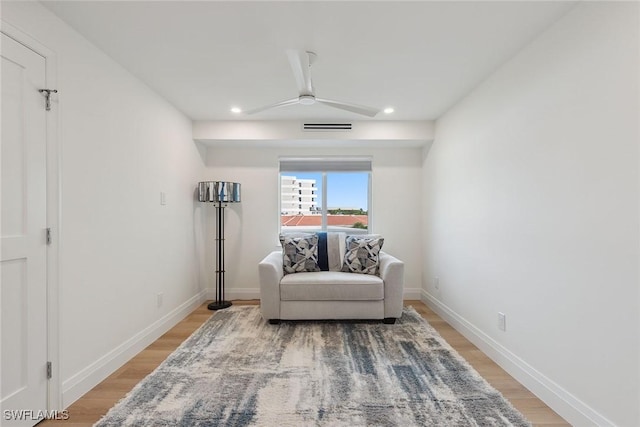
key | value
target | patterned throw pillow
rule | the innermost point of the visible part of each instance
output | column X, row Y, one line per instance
column 362, row 255
column 299, row 253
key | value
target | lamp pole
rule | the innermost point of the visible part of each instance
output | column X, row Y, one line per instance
column 219, row 303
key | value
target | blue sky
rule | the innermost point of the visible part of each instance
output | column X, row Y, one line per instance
column 344, row 189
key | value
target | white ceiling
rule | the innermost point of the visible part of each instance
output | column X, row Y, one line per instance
column 207, row 56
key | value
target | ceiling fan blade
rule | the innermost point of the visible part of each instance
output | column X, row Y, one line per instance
column 300, row 65
column 276, row 105
column 358, row 109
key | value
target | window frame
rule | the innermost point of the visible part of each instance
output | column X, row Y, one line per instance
column 325, row 166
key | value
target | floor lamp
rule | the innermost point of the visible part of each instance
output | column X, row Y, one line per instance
column 220, row 193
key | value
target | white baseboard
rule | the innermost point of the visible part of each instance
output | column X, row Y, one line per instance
column 412, row 293
column 80, row 383
column 560, row 400
column 254, row 293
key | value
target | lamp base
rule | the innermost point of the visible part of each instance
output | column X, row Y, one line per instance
column 219, row 305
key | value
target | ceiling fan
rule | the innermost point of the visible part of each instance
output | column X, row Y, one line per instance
column 301, row 65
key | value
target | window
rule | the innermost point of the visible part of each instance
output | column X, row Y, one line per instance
column 333, row 194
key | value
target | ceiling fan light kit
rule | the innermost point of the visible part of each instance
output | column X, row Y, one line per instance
column 300, row 62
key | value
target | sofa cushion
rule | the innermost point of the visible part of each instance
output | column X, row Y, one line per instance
column 299, row 253
column 362, row 254
column 331, row 286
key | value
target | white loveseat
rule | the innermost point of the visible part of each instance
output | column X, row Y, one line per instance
column 331, row 294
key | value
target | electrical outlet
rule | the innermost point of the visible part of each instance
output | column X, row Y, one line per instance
column 159, row 299
column 436, row 282
column 163, row 198
column 502, row 321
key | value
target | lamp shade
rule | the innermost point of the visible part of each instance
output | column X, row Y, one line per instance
column 219, row 192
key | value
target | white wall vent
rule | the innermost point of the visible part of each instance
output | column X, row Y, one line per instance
column 315, row 127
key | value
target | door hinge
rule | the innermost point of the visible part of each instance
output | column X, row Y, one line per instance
column 47, row 95
column 49, row 369
column 48, row 236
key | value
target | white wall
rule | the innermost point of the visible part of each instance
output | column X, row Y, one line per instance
column 251, row 227
column 531, row 208
column 121, row 145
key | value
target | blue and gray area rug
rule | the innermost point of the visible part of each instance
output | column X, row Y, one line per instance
column 237, row 370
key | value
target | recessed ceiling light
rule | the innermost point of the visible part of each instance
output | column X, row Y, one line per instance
column 389, row 110
column 236, row 110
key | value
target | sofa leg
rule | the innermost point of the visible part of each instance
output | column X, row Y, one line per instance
column 389, row 320
column 274, row 321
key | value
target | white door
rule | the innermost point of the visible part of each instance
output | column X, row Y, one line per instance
column 23, row 253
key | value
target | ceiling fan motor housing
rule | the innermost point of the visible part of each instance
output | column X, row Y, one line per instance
column 307, row 99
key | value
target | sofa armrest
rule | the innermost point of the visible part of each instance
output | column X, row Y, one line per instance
column 392, row 273
column 270, row 273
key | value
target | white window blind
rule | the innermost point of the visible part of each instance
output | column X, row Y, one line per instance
column 327, row 164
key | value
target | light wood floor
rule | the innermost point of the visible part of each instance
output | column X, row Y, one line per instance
column 93, row 405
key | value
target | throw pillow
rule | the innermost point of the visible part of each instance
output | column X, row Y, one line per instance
column 299, row 253
column 362, row 254
column 323, row 255
column 336, row 249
